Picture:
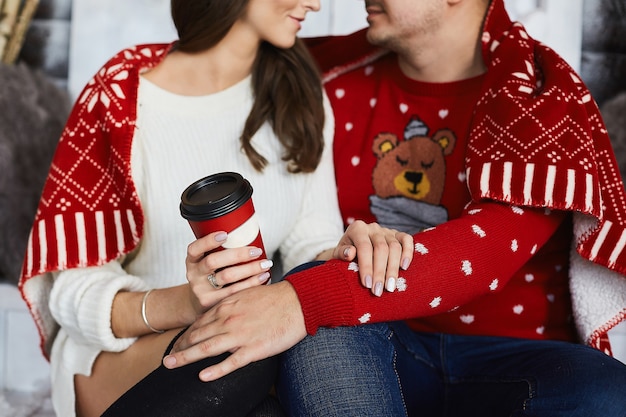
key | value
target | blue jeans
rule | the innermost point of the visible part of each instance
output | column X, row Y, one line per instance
column 387, row 369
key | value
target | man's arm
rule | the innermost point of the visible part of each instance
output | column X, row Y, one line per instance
column 261, row 322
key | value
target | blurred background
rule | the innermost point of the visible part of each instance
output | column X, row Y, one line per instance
column 66, row 41
column 70, row 39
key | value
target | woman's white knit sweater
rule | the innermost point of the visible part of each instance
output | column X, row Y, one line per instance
column 177, row 141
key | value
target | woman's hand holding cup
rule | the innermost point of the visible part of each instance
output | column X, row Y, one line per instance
column 228, row 255
column 231, row 270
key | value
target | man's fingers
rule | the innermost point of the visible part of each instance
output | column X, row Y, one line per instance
column 233, row 362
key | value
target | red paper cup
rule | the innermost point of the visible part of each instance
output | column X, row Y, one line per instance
column 222, row 202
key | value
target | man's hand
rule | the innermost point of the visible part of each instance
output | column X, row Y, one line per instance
column 252, row 324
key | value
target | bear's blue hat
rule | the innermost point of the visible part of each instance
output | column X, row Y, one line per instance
column 415, row 127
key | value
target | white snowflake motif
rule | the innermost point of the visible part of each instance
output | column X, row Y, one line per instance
column 114, row 200
column 63, row 204
column 518, row 309
column 514, row 245
column 529, row 277
column 349, row 126
column 467, row 318
column 421, row 249
column 355, row 161
column 353, row 266
column 373, row 102
column 554, row 157
column 478, row 231
column 369, row 70
column 350, row 220
column 586, row 164
column 550, row 297
column 404, row 108
column 340, row 93
column 466, row 267
column 436, row 302
column 401, row 284
column 365, row 318
column 494, row 284
column 540, row 330
column 92, row 98
column 497, row 156
column 443, row 113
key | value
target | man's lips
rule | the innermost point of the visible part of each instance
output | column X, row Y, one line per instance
column 374, row 10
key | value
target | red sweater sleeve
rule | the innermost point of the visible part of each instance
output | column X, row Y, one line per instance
column 453, row 264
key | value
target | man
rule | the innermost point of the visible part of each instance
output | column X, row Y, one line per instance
column 447, row 113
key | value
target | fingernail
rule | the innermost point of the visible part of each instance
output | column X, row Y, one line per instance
column 205, row 375
column 368, row 281
column 346, row 252
column 267, row 264
column 378, row 291
column 264, row 276
column 221, row 236
column 169, row 361
column 254, row 252
column 405, row 264
column 391, row 284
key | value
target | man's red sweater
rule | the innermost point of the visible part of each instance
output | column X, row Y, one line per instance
column 524, row 137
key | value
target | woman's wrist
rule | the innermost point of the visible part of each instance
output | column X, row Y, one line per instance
column 163, row 309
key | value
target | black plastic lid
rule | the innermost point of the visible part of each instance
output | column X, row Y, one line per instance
column 214, row 196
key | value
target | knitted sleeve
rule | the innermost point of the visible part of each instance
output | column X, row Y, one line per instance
column 453, row 264
column 81, row 299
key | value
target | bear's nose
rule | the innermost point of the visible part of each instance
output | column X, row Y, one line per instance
column 413, row 177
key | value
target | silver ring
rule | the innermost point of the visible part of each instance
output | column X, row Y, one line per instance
column 213, row 281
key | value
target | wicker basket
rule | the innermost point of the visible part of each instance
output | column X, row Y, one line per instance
column 15, row 17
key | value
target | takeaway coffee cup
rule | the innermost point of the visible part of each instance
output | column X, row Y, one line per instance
column 222, row 202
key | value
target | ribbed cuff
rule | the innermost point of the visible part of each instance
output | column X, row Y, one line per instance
column 325, row 296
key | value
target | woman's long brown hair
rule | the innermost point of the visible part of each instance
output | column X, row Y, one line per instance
column 286, row 83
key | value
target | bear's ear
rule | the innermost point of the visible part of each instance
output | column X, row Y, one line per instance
column 383, row 143
column 446, row 139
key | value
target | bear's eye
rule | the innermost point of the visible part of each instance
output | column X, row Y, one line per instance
column 428, row 166
column 402, row 162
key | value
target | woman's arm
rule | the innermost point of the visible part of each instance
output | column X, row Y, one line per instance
column 102, row 306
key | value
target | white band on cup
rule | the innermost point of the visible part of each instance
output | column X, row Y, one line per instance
column 244, row 234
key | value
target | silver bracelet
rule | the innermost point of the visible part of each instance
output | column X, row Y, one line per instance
column 143, row 313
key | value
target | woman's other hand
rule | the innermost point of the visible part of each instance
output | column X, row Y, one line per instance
column 380, row 253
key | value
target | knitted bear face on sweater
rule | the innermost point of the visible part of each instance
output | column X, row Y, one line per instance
column 409, row 177
column 414, row 168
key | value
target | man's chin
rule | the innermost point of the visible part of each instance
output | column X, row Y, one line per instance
column 375, row 37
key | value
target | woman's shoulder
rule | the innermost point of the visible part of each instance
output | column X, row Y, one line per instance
column 121, row 71
column 141, row 55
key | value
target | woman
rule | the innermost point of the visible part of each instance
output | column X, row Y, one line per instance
column 236, row 92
